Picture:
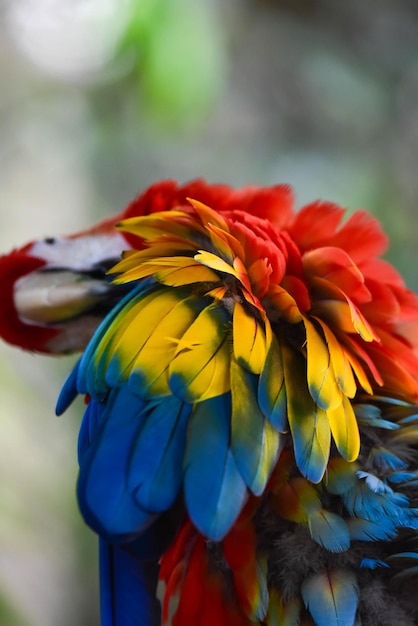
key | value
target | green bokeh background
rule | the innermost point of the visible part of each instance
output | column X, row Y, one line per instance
column 319, row 94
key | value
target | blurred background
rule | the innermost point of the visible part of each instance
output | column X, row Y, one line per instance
column 99, row 98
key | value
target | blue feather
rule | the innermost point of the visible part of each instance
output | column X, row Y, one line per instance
column 331, row 597
column 127, row 589
column 105, row 500
column 155, row 466
column 398, row 478
column 366, row 502
column 91, row 420
column 215, row 491
column 374, row 483
column 372, row 563
column 329, row 530
column 368, row 412
column 411, row 518
column 385, row 459
column 367, row 530
column 396, row 402
column 69, row 391
column 371, row 415
column 411, row 419
column 409, row 556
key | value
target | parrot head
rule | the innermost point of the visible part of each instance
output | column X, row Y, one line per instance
column 55, row 290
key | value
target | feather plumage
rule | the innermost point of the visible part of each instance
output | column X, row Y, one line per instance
column 200, row 367
column 272, row 389
column 213, row 486
column 322, row 383
column 255, row 442
column 251, row 385
column 331, row 597
column 128, row 589
column 308, row 422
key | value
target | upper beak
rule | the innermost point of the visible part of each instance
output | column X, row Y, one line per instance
column 57, row 296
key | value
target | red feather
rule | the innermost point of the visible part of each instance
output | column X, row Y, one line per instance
column 12, row 267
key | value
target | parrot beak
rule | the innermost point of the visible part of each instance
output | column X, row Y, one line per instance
column 68, row 303
column 46, row 297
column 56, row 291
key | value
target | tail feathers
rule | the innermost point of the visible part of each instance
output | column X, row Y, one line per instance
column 128, row 588
column 200, row 587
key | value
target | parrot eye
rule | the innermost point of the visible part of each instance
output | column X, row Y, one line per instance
column 50, row 240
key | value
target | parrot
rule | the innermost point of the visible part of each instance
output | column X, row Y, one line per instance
column 248, row 450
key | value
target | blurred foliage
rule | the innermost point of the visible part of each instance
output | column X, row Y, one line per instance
column 178, row 58
column 318, row 94
column 9, row 615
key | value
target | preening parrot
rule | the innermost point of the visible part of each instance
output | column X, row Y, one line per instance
column 248, row 452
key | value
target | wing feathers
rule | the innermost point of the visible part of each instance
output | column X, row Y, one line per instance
column 214, row 489
column 255, row 443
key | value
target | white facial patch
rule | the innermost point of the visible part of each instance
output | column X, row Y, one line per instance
column 80, row 253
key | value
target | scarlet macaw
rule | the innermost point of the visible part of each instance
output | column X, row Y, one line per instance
column 248, row 450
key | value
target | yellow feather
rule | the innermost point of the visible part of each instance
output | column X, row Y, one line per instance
column 200, row 368
column 340, row 364
column 208, row 215
column 128, row 263
column 185, row 272
column 154, row 358
column 340, row 310
column 242, row 274
column 344, row 429
column 169, row 247
column 215, row 262
column 134, row 330
column 173, row 271
column 340, row 314
column 285, row 304
column 115, row 333
column 172, row 222
column 226, row 242
column 321, row 379
column 249, row 340
column 218, row 293
column 358, row 371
